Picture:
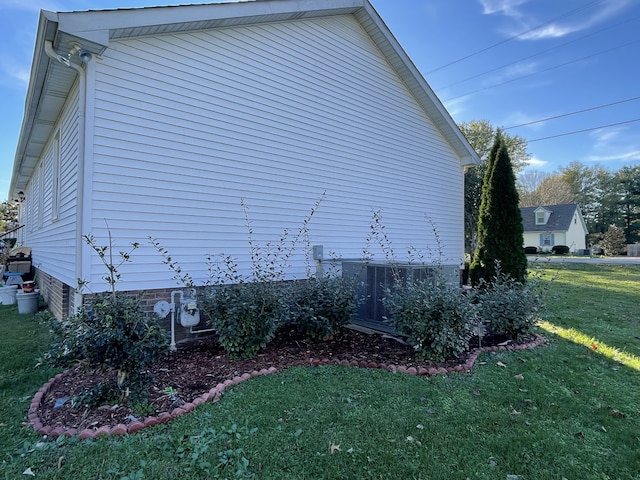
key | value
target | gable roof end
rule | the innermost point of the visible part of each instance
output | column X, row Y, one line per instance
column 51, row 82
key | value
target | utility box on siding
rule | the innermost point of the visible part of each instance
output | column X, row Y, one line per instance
column 372, row 281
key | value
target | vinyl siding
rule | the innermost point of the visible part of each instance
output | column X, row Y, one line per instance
column 187, row 125
column 53, row 239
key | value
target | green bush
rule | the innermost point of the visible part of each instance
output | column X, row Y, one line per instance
column 530, row 250
column 510, row 307
column 560, row 249
column 434, row 315
column 244, row 315
column 112, row 332
column 320, row 307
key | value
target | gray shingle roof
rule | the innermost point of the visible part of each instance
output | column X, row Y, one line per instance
column 559, row 220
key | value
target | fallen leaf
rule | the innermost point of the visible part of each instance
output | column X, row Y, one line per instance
column 333, row 448
column 578, row 435
column 60, row 460
column 504, row 344
column 515, row 412
column 519, row 377
column 500, row 364
column 617, row 413
column 350, row 450
column 514, row 477
column 476, row 393
column 420, row 426
column 492, row 462
column 28, row 471
column 522, row 360
column 410, row 439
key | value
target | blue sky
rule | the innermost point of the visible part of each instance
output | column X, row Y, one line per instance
column 510, row 62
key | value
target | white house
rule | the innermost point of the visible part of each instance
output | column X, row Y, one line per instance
column 159, row 122
column 550, row 225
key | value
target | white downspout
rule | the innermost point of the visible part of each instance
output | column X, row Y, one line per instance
column 82, row 96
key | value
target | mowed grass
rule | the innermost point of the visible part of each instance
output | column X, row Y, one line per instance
column 563, row 410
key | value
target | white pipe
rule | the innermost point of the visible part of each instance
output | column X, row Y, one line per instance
column 82, row 98
column 172, row 345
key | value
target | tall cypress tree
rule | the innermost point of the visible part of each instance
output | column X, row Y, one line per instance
column 500, row 231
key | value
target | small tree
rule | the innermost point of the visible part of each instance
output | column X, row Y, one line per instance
column 500, row 231
column 613, row 241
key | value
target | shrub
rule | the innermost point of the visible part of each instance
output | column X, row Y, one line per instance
column 321, row 306
column 509, row 307
column 436, row 318
column 560, row 249
column 613, row 241
column 244, row 315
column 530, row 250
column 112, row 332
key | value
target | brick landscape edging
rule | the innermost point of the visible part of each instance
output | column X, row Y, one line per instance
column 215, row 393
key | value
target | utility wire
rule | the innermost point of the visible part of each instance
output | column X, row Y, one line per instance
column 590, row 109
column 541, row 71
column 539, row 53
column 569, row 13
column 584, row 130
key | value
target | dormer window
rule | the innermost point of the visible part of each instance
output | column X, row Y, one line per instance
column 542, row 215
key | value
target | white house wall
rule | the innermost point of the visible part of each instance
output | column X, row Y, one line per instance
column 576, row 236
column 50, row 235
column 188, row 125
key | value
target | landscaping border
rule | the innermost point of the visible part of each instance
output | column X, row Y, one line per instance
column 215, row 393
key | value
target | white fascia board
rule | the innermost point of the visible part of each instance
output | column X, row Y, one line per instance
column 95, row 23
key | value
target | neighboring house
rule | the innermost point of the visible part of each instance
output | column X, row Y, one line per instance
column 549, row 225
column 160, row 121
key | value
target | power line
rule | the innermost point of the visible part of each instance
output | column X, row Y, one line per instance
column 539, row 53
column 541, row 71
column 590, row 109
column 569, row 13
column 584, row 130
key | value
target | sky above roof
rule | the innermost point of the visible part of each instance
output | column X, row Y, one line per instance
column 511, row 62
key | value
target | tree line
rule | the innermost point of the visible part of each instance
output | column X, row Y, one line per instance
column 607, row 198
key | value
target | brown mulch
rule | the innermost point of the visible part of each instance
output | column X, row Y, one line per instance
column 199, row 365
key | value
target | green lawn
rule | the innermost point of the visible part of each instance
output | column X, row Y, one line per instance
column 563, row 410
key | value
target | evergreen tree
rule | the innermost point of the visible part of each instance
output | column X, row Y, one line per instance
column 500, row 231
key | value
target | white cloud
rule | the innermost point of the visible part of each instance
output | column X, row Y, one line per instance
column 455, row 107
column 526, row 20
column 536, row 163
column 620, row 157
column 603, row 137
column 520, row 69
column 615, row 144
column 504, row 7
column 520, row 118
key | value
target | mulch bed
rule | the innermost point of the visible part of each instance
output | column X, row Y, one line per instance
column 200, row 370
